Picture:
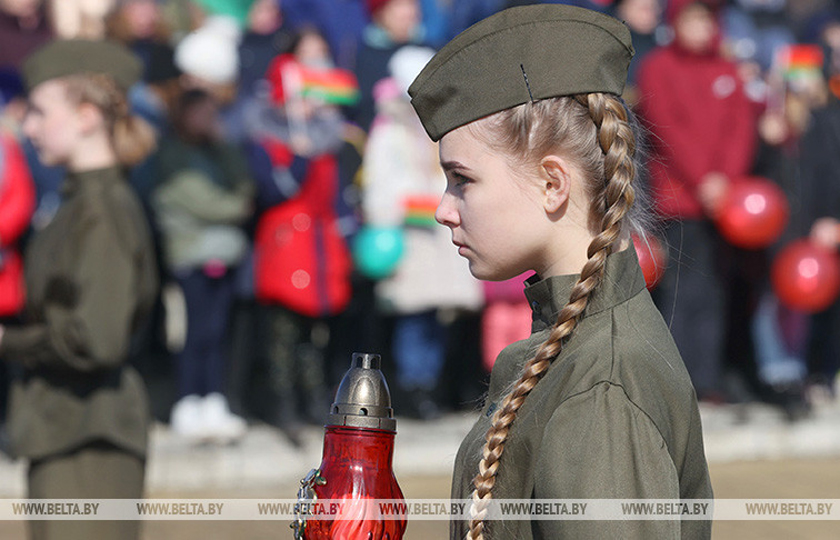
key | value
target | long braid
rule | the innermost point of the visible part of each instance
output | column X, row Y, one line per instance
column 612, row 202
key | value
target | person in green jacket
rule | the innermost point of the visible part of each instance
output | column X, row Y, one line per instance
column 78, row 412
column 539, row 153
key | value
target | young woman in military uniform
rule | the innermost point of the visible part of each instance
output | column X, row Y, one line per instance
column 539, row 150
column 79, row 413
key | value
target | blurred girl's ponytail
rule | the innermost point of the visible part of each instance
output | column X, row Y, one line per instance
column 133, row 138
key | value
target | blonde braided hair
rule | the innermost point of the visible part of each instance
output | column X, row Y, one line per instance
column 596, row 130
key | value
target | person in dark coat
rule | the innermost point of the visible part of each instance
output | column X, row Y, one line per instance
column 202, row 201
column 643, row 18
column 342, row 21
column 820, row 176
column 265, row 38
column 17, row 202
column 538, row 150
column 79, row 412
column 394, row 24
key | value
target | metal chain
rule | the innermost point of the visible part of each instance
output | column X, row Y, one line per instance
column 306, row 496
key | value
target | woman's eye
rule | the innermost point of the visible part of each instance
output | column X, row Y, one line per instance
column 460, row 179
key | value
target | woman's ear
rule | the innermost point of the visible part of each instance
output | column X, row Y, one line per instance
column 90, row 118
column 556, row 175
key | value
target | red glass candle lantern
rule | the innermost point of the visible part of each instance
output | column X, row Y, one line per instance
column 357, row 462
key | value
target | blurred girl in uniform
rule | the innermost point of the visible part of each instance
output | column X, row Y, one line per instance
column 79, row 413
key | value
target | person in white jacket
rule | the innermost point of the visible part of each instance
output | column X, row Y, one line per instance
column 402, row 183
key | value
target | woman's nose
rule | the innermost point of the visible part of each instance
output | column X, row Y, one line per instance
column 446, row 213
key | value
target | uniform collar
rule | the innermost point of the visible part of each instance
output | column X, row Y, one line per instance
column 623, row 279
column 90, row 179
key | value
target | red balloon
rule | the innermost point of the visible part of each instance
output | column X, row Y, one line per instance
column 806, row 276
column 753, row 214
column 652, row 258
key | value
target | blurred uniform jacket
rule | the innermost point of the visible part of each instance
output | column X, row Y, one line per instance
column 91, row 279
column 615, row 416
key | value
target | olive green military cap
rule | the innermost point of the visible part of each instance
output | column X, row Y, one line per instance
column 518, row 55
column 62, row 58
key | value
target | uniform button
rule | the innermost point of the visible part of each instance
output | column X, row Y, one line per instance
column 535, row 305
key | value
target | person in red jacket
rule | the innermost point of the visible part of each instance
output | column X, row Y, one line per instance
column 703, row 140
column 17, row 202
column 301, row 258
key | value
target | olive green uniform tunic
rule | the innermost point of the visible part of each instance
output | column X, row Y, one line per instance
column 615, row 416
column 91, row 278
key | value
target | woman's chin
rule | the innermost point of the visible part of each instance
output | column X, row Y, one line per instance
column 484, row 273
column 478, row 272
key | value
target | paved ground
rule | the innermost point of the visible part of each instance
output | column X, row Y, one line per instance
column 800, row 478
column 753, row 452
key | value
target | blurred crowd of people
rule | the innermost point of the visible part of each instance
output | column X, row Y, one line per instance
column 743, row 89
column 293, row 189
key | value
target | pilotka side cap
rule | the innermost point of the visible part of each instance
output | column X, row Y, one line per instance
column 518, row 55
column 62, row 58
